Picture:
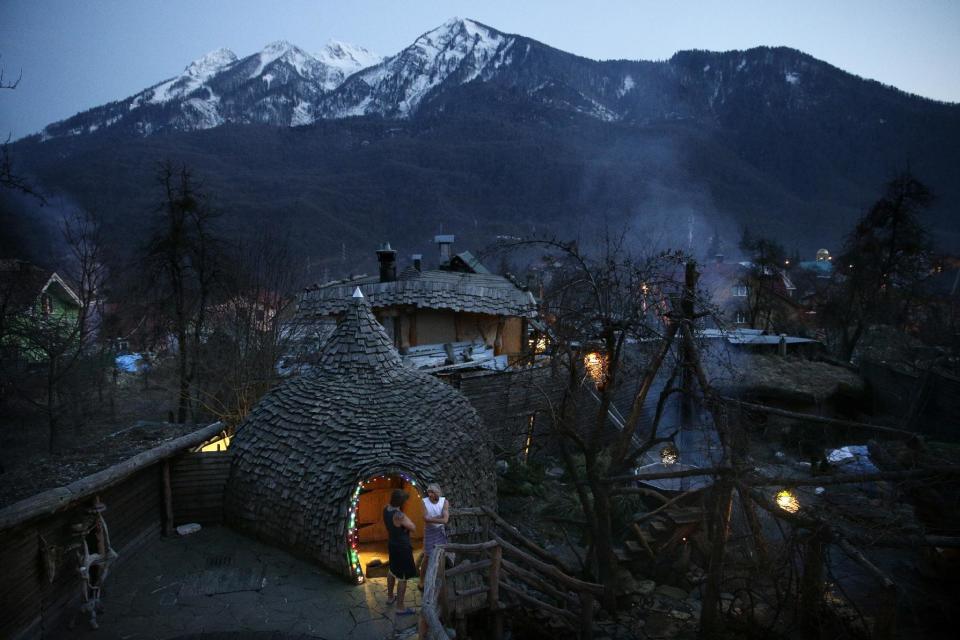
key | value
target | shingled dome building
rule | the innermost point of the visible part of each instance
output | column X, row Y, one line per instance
column 316, row 460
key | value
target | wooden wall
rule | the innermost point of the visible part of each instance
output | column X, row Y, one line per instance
column 505, row 401
column 373, row 501
column 31, row 604
column 198, row 481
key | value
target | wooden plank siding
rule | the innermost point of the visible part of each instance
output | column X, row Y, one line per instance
column 30, row 604
column 198, row 481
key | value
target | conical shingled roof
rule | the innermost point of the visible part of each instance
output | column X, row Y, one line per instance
column 359, row 345
column 359, row 413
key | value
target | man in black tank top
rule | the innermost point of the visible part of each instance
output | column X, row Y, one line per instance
column 402, row 567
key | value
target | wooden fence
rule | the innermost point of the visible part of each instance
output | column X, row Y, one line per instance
column 492, row 575
column 197, row 483
column 38, row 535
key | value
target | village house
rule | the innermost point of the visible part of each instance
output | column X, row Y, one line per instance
column 34, row 301
column 748, row 296
column 457, row 315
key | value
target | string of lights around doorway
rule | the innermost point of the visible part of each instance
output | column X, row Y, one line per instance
column 353, row 534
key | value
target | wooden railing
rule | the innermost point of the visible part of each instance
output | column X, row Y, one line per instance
column 491, row 575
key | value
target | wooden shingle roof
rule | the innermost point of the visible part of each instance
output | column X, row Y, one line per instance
column 358, row 413
column 433, row 289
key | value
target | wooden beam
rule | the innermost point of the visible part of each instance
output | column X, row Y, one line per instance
column 493, row 592
column 842, row 478
column 662, row 475
column 467, row 567
column 523, row 595
column 537, row 582
column 60, row 498
column 549, row 569
column 532, row 546
column 812, row 583
column 467, row 548
column 167, row 500
column 431, row 627
column 845, row 424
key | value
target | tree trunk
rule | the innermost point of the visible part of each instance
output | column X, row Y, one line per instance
column 52, row 409
column 603, row 545
column 710, row 621
column 183, row 404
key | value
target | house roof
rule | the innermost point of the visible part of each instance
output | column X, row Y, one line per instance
column 22, row 283
column 358, row 413
column 430, row 289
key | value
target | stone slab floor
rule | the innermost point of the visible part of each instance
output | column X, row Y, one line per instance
column 219, row 584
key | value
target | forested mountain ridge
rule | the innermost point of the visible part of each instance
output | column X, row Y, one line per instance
column 486, row 133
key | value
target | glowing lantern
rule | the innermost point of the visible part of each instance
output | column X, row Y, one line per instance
column 787, row 501
column 595, row 366
column 540, row 346
column 669, row 454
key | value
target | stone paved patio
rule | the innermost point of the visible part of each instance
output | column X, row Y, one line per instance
column 162, row 593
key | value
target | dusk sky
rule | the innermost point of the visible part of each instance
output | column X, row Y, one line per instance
column 76, row 55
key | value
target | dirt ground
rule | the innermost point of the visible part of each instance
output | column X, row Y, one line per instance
column 130, row 421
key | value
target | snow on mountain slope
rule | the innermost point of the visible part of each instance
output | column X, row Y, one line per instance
column 346, row 59
column 459, row 65
column 193, row 77
column 459, row 49
column 281, row 85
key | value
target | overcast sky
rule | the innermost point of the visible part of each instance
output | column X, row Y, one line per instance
column 79, row 54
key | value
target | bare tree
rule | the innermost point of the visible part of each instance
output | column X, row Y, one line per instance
column 885, row 258
column 183, row 261
column 46, row 342
column 6, row 84
column 248, row 328
column 766, row 259
column 611, row 328
column 8, row 178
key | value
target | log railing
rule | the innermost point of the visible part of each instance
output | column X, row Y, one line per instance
column 494, row 574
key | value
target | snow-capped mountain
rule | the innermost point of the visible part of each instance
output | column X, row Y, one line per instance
column 283, row 85
column 346, row 59
column 279, row 85
column 458, row 50
column 480, row 127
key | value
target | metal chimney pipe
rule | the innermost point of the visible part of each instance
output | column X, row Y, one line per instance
column 444, row 242
column 387, row 258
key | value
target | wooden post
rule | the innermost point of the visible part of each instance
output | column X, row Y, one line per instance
column 811, row 584
column 586, row 615
column 756, row 530
column 885, row 624
column 710, row 622
column 493, row 593
column 167, row 500
column 460, row 618
column 688, row 311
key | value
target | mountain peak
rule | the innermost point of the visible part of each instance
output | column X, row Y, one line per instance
column 465, row 26
column 346, row 57
column 278, row 47
column 208, row 64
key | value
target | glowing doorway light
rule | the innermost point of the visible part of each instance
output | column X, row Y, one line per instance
column 353, row 533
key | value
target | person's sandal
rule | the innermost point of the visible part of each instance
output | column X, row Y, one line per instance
column 391, row 599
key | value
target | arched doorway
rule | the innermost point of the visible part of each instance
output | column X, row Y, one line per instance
column 366, row 533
